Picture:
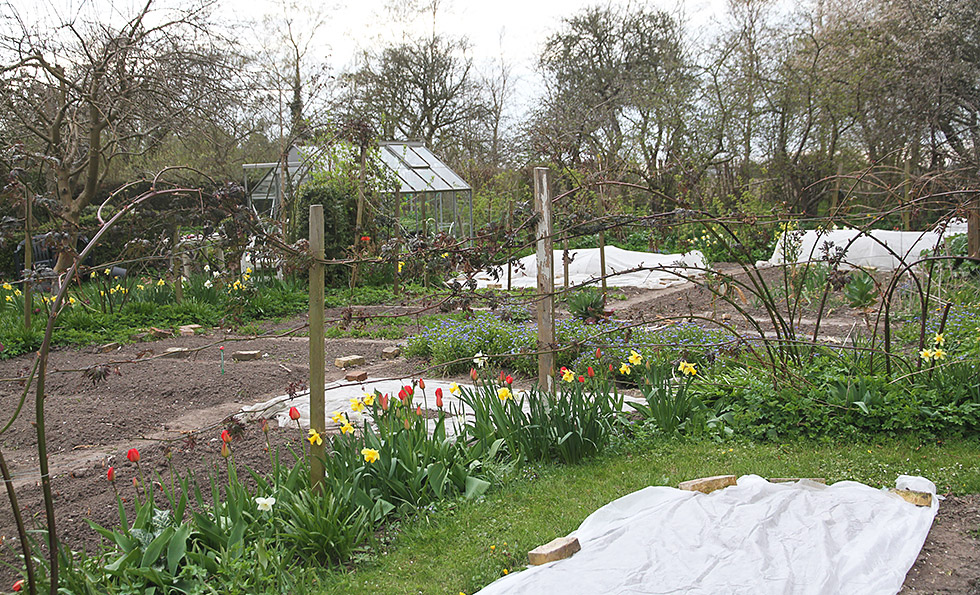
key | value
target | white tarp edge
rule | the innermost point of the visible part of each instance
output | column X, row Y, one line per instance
column 584, row 268
column 756, row 537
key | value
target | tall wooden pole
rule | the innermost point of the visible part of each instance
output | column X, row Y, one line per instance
column 176, row 267
column 973, row 230
column 28, row 256
column 318, row 414
column 398, row 234
column 602, row 243
column 545, row 262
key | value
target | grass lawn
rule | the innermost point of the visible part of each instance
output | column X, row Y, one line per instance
column 463, row 546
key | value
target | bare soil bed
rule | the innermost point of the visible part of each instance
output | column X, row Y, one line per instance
column 173, row 410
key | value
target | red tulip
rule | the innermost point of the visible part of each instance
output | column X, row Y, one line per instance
column 473, row 374
column 365, row 238
column 581, row 378
column 590, row 372
column 502, row 376
column 610, row 368
column 225, row 437
column 383, row 399
column 598, row 353
column 225, row 451
column 265, row 425
column 133, row 455
column 293, row 413
column 18, row 585
column 421, row 384
column 403, row 395
column 111, row 474
column 439, row 398
column 418, row 410
column 221, row 348
column 509, row 379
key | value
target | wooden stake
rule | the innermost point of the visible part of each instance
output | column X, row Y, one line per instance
column 398, row 234
column 973, row 231
column 178, row 277
column 545, row 261
column 318, row 414
column 602, row 245
column 28, row 256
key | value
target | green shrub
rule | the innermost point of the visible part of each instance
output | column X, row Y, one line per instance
column 587, row 305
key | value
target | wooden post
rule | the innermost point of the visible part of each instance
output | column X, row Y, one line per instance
column 907, row 197
column 545, row 262
column 28, row 256
column 564, row 262
column 602, row 244
column 398, row 234
column 318, row 414
column 973, row 230
column 359, row 222
column 510, row 226
column 175, row 267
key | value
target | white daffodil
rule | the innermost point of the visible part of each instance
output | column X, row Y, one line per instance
column 479, row 359
column 208, row 284
column 265, row 503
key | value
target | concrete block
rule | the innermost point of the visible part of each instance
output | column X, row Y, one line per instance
column 917, row 498
column 349, row 361
column 796, row 479
column 706, row 485
column 176, row 352
column 390, row 352
column 356, row 376
column 108, row 347
column 246, row 356
column 556, row 549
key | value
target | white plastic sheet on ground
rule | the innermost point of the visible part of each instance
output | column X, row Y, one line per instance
column 585, row 268
column 337, row 397
column 866, row 249
column 756, row 537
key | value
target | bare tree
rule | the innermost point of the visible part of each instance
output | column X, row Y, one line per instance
column 86, row 95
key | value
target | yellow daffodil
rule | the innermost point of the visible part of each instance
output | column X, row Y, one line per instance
column 248, row 270
column 161, row 283
column 315, row 438
column 504, row 393
column 938, row 354
column 71, row 301
column 625, row 369
column 10, row 298
column 338, row 417
column 346, row 428
column 140, row 286
column 445, row 254
column 401, row 264
column 8, row 287
column 356, row 405
column 926, row 354
column 368, row 399
column 107, row 272
column 17, row 292
column 635, row 358
column 370, row 455
column 939, row 339
column 567, row 375
column 454, row 388
column 687, row 369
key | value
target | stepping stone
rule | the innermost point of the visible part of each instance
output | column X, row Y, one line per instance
column 917, row 498
column 796, row 479
column 160, row 333
column 246, row 356
column 556, row 549
column 349, row 361
column 139, row 336
column 108, row 347
column 706, row 485
column 176, row 352
column 390, row 352
column 189, row 330
column 357, row 376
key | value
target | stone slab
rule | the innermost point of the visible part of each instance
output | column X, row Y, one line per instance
column 796, row 479
column 108, row 347
column 176, row 352
column 349, row 361
column 160, row 333
column 706, row 485
column 390, row 352
column 556, row 549
column 917, row 498
column 357, row 376
column 246, row 356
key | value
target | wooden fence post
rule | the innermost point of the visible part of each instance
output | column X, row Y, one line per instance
column 973, row 230
column 602, row 244
column 28, row 256
column 398, row 236
column 545, row 261
column 318, row 414
column 175, row 266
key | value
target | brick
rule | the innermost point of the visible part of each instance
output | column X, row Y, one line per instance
column 390, row 352
column 796, row 479
column 349, row 361
column 917, row 498
column 246, row 356
column 706, row 485
column 176, row 352
column 108, row 347
column 356, row 376
column 556, row 549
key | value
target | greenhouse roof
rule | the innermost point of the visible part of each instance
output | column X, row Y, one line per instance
column 418, row 170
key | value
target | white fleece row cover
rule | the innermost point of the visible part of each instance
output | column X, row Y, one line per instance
column 647, row 270
column 756, row 537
